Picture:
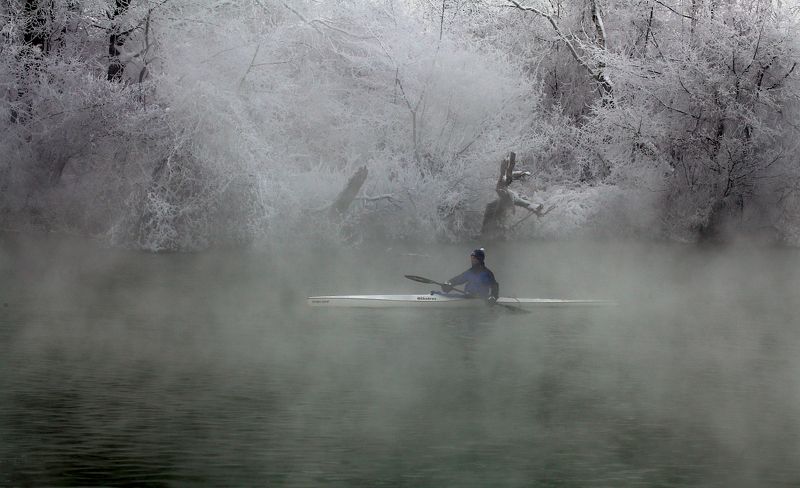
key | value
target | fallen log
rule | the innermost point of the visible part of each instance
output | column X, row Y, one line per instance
column 348, row 193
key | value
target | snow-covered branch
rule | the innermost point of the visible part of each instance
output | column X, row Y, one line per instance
column 524, row 202
column 390, row 197
column 597, row 72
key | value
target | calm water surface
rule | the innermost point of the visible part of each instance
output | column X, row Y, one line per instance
column 122, row 368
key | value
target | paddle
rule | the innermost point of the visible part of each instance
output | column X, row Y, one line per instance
column 420, row 279
column 429, row 281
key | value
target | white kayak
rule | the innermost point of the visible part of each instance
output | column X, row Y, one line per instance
column 441, row 301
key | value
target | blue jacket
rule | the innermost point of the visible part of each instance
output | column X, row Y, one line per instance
column 479, row 282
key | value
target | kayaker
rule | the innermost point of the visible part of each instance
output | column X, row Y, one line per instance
column 479, row 279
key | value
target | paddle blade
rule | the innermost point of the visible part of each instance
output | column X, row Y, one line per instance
column 420, row 279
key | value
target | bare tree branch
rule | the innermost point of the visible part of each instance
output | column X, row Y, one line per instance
column 673, row 10
column 255, row 55
column 298, row 14
column 778, row 84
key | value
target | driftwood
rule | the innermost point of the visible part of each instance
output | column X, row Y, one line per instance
column 348, row 194
column 497, row 211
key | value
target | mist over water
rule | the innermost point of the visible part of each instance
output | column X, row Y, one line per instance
column 125, row 368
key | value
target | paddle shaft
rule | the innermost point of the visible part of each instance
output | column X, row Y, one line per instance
column 429, row 281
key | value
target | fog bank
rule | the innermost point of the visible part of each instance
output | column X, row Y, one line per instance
column 208, row 368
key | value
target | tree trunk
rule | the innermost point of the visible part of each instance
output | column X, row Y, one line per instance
column 115, row 42
column 606, row 87
column 38, row 16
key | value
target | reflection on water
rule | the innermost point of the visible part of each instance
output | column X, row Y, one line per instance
column 121, row 368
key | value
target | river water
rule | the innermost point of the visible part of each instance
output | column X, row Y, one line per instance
column 125, row 368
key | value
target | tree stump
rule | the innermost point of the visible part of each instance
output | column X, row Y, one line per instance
column 497, row 211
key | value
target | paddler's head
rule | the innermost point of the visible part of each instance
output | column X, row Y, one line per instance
column 477, row 256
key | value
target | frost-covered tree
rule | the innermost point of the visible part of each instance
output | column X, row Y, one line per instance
column 255, row 114
column 181, row 124
column 692, row 112
column 702, row 112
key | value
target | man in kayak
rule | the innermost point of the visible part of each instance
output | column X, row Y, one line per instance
column 479, row 279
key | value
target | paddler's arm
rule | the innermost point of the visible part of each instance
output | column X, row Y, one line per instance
column 495, row 290
column 495, row 293
column 462, row 278
column 449, row 284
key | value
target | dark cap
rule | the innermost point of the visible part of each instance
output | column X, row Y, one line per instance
column 479, row 253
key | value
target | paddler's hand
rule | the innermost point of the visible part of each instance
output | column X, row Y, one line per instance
column 447, row 287
column 491, row 301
